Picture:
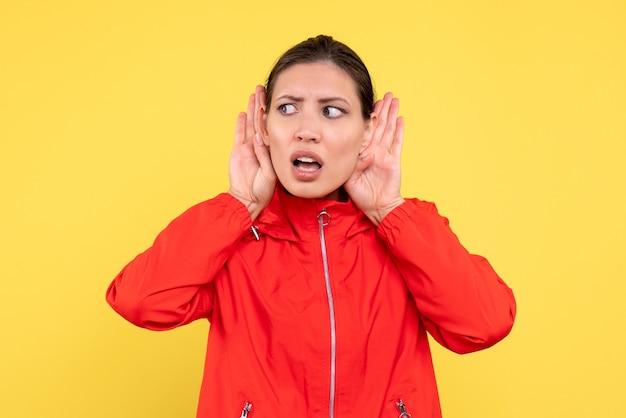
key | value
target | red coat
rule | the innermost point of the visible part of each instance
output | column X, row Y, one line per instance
column 316, row 320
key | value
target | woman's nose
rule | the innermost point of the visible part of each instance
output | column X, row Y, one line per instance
column 308, row 129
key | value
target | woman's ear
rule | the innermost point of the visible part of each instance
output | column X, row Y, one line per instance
column 370, row 128
column 262, row 124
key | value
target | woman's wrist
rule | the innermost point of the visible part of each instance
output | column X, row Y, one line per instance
column 252, row 207
column 378, row 214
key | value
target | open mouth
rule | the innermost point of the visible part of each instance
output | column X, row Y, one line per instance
column 306, row 164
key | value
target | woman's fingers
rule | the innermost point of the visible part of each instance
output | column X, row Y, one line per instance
column 263, row 156
column 248, row 127
column 392, row 122
column 382, row 110
column 387, row 111
column 240, row 129
column 250, row 118
column 259, row 103
column 377, row 106
column 247, row 122
column 396, row 146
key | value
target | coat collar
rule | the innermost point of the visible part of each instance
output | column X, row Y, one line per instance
column 294, row 218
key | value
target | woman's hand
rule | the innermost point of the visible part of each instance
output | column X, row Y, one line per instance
column 251, row 174
column 375, row 183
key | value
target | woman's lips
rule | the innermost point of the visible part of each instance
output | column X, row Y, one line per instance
column 306, row 165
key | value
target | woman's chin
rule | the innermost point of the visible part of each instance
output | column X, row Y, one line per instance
column 308, row 192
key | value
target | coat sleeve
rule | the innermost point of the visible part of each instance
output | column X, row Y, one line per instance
column 170, row 284
column 464, row 304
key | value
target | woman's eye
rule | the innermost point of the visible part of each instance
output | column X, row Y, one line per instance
column 287, row 109
column 332, row 112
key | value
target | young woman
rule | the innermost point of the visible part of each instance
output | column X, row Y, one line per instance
column 319, row 279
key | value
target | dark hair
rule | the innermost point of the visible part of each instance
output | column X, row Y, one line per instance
column 325, row 49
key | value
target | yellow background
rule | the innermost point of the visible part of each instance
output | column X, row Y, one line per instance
column 115, row 116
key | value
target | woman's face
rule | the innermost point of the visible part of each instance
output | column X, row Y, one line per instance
column 314, row 129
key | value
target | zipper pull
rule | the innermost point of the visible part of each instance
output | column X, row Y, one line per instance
column 246, row 410
column 402, row 408
column 255, row 232
column 323, row 218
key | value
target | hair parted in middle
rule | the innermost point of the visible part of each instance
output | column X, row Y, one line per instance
column 324, row 48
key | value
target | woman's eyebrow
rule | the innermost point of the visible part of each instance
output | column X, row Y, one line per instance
column 333, row 99
column 323, row 100
column 291, row 98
